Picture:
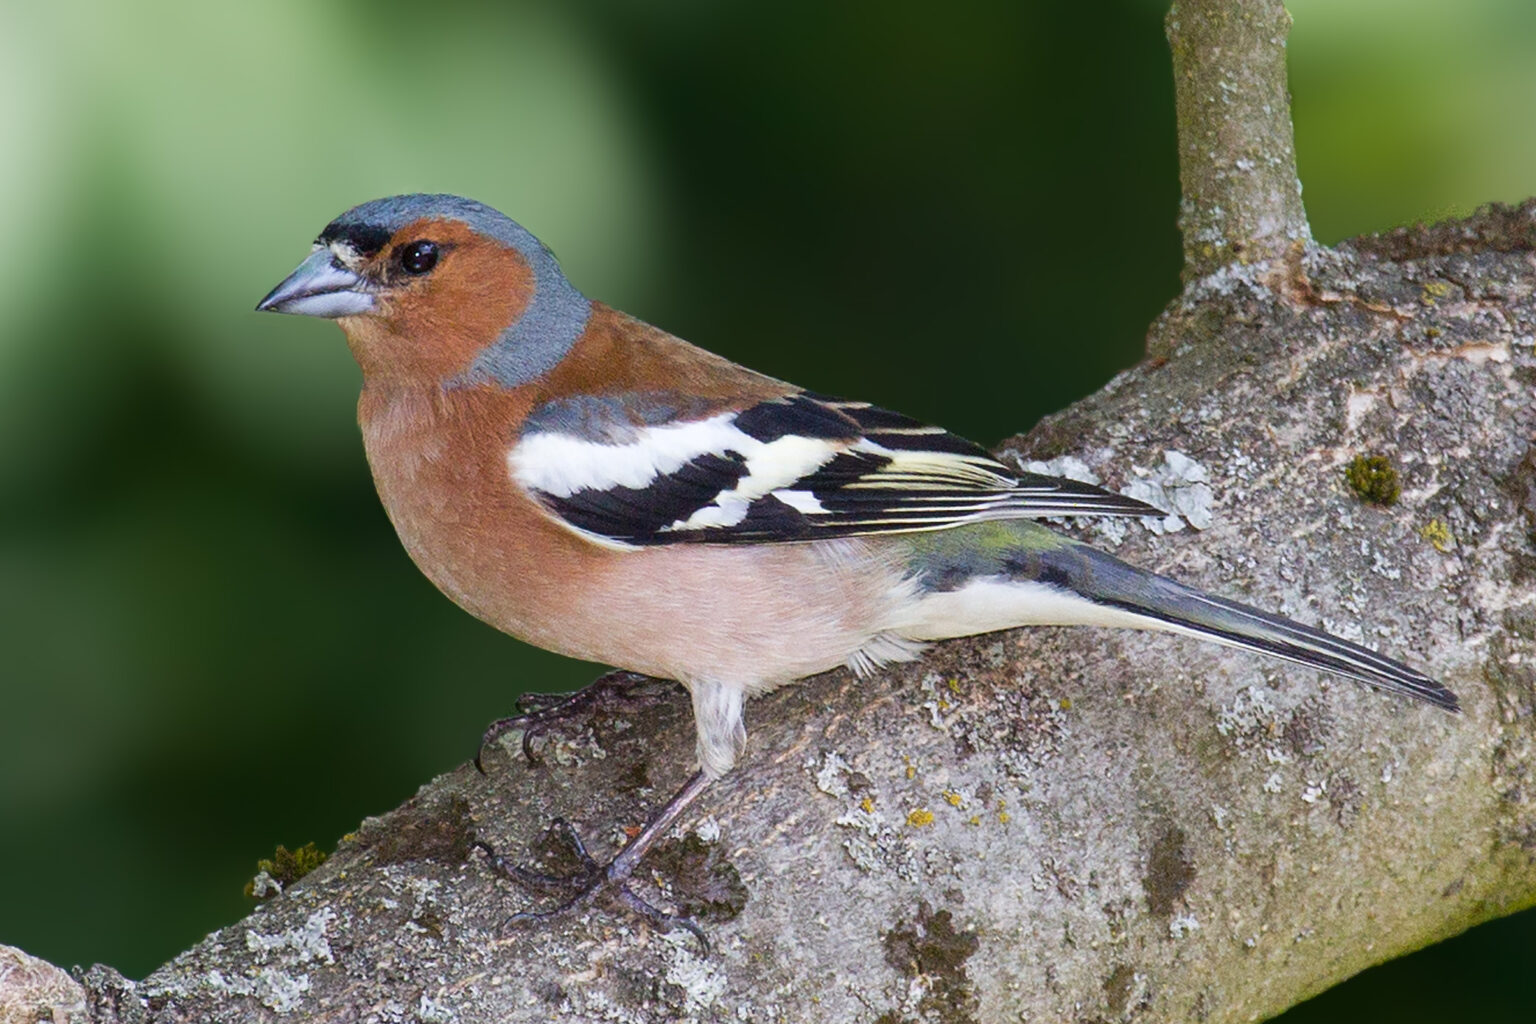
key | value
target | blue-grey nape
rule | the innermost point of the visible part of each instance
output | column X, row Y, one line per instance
column 556, row 314
column 613, row 419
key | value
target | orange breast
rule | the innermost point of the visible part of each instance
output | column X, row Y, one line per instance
column 758, row 615
column 439, row 463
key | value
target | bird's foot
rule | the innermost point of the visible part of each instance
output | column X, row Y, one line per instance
column 539, row 712
column 588, row 882
column 591, row 879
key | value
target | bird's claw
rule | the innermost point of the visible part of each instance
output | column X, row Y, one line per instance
column 586, row 884
column 590, row 868
column 538, row 712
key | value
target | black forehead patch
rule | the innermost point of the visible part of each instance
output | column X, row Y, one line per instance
column 366, row 238
column 368, row 226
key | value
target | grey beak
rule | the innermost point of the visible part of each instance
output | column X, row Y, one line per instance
column 320, row 286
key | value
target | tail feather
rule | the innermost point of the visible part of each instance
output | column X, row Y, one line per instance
column 1236, row 625
column 1020, row 573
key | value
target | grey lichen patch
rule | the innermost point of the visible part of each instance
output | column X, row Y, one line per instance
column 1179, row 486
column 874, row 839
column 1170, row 871
column 277, row 974
column 277, row 990
column 1055, row 875
column 576, row 749
column 941, row 698
column 1374, row 479
column 295, row 945
column 1250, row 719
column 876, row 845
column 1069, row 466
column 435, row 1010
column 831, row 773
column 1006, row 718
column 699, row 981
column 931, row 952
column 1182, row 925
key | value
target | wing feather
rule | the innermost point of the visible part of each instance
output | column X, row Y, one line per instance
column 790, row 469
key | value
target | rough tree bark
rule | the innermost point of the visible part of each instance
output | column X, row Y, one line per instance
column 1052, row 825
column 1237, row 153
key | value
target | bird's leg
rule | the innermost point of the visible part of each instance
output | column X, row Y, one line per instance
column 537, row 712
column 594, row 878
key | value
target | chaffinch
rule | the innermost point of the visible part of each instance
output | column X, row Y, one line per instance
column 593, row 485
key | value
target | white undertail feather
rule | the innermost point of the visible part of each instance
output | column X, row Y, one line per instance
column 993, row 603
column 884, row 649
column 996, row 602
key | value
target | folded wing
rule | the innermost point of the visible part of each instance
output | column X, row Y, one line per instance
column 658, row 469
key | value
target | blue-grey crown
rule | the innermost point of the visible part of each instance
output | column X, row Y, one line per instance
column 369, row 225
column 556, row 314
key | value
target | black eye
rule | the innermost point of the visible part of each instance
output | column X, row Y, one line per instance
column 418, row 257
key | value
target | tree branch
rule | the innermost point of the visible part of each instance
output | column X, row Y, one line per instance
column 1048, row 824
column 1237, row 151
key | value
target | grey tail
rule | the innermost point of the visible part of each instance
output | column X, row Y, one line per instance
column 1171, row 606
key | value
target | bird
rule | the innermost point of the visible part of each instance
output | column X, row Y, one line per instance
column 593, row 485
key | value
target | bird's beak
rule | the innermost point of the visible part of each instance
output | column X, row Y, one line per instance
column 321, row 286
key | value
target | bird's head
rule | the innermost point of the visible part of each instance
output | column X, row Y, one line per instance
column 437, row 289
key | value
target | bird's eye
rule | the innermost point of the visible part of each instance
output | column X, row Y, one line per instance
column 418, row 257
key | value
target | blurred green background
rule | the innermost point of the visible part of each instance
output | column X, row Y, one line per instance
column 210, row 641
